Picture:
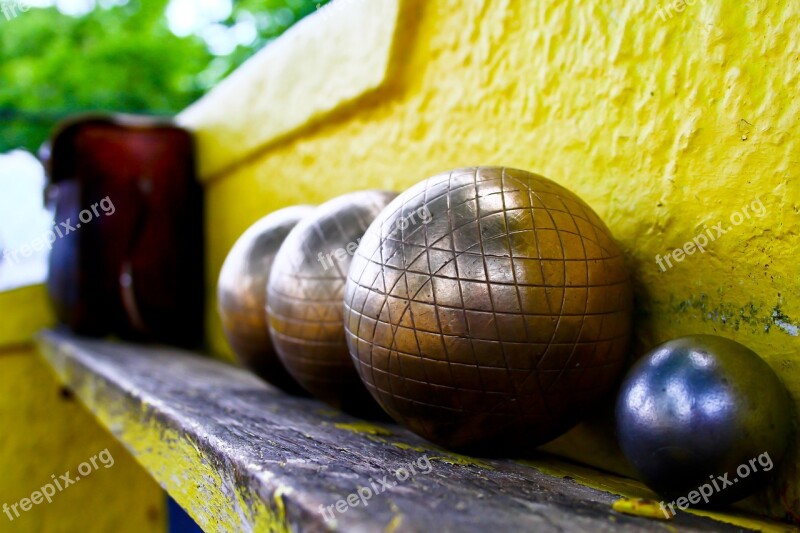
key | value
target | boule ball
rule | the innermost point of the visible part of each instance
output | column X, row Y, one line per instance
column 497, row 320
column 703, row 410
column 305, row 293
column 241, row 294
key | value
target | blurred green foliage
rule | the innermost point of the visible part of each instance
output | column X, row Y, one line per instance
column 122, row 58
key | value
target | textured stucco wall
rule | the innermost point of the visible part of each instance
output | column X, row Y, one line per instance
column 45, row 431
column 666, row 125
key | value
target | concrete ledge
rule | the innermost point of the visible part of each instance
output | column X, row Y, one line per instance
column 327, row 60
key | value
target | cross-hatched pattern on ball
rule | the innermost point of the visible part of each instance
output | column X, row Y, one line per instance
column 497, row 323
column 305, row 290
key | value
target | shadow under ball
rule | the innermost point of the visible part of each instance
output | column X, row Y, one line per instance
column 242, row 291
column 697, row 408
column 495, row 326
column 305, row 293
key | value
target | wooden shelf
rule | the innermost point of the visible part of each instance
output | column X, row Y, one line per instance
column 239, row 455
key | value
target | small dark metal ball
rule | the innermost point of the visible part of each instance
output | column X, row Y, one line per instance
column 699, row 407
column 488, row 309
column 242, row 291
column 305, row 293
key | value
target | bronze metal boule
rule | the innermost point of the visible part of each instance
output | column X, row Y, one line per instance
column 304, row 303
column 497, row 324
column 242, row 291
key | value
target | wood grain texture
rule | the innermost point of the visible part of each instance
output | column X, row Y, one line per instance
column 240, row 455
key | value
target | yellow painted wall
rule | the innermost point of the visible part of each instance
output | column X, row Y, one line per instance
column 44, row 431
column 664, row 126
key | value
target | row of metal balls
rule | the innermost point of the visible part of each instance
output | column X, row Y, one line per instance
column 488, row 309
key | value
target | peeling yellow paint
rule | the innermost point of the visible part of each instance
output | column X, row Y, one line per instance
column 364, row 428
column 394, row 525
column 640, row 507
column 633, row 490
column 280, row 518
column 461, row 460
column 178, row 463
column 404, row 446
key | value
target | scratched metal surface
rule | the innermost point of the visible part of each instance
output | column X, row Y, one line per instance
column 240, row 455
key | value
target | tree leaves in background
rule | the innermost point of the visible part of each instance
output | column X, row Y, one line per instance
column 122, row 59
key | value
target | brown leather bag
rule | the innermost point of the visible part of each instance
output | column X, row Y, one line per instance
column 128, row 257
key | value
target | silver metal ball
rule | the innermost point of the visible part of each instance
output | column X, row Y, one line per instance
column 305, row 293
column 242, row 292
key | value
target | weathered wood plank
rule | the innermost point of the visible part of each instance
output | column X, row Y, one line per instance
column 242, row 456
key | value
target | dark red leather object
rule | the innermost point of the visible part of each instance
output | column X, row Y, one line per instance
column 134, row 266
